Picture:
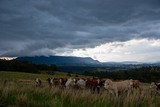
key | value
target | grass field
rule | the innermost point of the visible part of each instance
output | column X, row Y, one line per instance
column 20, row 91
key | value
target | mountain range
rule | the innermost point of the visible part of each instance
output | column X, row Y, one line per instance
column 81, row 64
column 77, row 61
column 61, row 60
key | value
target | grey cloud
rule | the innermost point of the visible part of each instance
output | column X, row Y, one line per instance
column 41, row 27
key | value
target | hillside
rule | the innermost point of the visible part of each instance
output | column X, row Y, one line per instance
column 61, row 60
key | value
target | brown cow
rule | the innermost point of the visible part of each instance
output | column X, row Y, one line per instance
column 158, row 86
column 155, row 87
column 57, row 82
column 50, row 82
column 135, row 84
column 94, row 84
column 62, row 82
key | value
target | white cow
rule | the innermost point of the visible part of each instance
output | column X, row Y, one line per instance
column 81, row 83
column 38, row 82
column 118, row 87
column 70, row 83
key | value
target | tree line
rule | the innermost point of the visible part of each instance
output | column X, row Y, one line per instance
column 144, row 74
column 24, row 66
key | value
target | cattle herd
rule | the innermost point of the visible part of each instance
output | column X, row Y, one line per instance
column 95, row 84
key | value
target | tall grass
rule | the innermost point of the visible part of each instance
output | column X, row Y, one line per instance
column 26, row 94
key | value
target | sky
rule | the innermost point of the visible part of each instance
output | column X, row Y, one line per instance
column 105, row 30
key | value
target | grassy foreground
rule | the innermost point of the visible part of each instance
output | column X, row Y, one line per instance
column 20, row 90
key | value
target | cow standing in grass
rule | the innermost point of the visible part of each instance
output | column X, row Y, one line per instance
column 75, row 83
column 81, row 83
column 70, row 83
column 119, row 87
column 50, row 82
column 136, row 84
column 94, row 84
column 62, row 82
column 155, row 87
column 38, row 82
column 57, row 82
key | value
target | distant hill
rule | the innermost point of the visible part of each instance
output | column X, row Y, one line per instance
column 126, row 63
column 81, row 64
column 61, row 60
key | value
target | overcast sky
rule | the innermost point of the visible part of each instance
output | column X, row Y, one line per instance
column 106, row 30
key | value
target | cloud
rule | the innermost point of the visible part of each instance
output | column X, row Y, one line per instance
column 53, row 27
column 143, row 50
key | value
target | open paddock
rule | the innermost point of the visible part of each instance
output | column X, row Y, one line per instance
column 19, row 89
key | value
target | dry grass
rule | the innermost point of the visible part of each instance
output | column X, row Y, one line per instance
column 19, row 92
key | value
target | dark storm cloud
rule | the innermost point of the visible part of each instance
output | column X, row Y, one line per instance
column 46, row 27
